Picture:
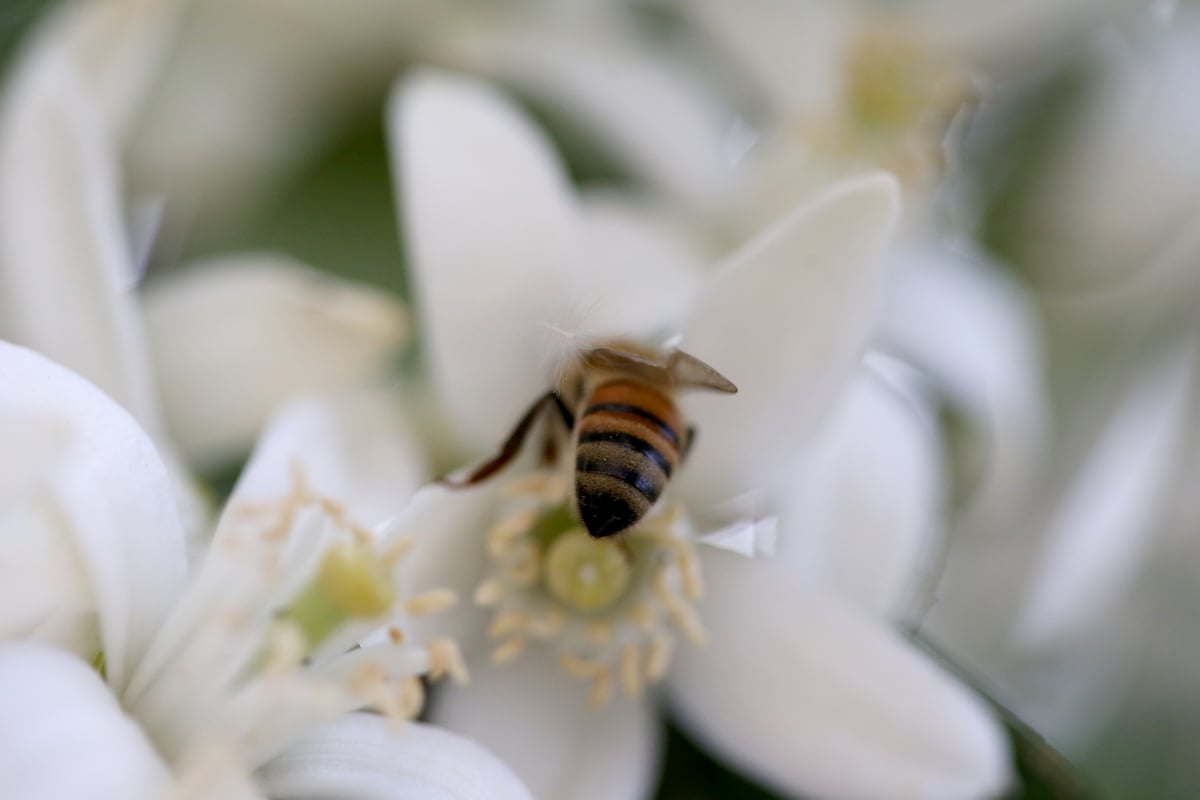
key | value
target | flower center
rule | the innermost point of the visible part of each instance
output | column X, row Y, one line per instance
column 294, row 617
column 893, row 84
column 610, row 608
column 585, row 573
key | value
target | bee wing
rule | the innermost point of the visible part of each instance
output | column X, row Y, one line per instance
column 687, row 370
column 625, row 361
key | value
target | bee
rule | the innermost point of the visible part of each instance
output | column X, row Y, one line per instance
column 616, row 404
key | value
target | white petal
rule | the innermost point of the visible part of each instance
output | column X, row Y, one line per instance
column 863, row 511
column 234, row 338
column 66, row 269
column 449, row 528
column 366, row 757
column 491, row 228
column 1129, row 136
column 643, row 271
column 786, row 318
column 975, row 332
column 112, row 496
column 62, row 733
column 813, row 698
column 535, row 717
column 793, row 51
column 1102, row 531
column 634, row 101
column 356, row 449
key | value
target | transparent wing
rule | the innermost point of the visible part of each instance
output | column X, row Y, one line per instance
column 687, row 370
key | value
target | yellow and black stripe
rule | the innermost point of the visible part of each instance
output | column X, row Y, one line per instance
column 630, row 436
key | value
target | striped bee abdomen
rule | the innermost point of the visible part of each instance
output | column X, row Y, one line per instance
column 628, row 447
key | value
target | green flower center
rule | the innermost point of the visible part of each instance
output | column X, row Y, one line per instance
column 586, row 574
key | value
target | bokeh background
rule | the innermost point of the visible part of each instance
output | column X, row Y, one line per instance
column 1048, row 154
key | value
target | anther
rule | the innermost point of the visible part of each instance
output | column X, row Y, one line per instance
column 509, row 650
column 446, row 659
column 430, row 602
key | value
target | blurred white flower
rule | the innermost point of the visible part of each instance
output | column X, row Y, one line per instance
column 802, row 682
column 198, row 680
column 229, row 340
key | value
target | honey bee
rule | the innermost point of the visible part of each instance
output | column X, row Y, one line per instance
column 616, row 405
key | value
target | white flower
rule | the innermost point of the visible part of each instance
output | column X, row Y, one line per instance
column 196, row 681
column 802, row 682
column 270, row 328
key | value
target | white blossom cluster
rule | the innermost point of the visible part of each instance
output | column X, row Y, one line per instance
column 948, row 253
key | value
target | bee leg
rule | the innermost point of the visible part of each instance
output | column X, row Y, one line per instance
column 550, row 445
column 687, row 444
column 512, row 445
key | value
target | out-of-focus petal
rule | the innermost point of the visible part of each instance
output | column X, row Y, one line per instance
column 66, row 270
column 62, row 733
column 813, row 698
column 643, row 273
column 786, row 318
column 1128, row 135
column 111, row 495
column 45, row 583
column 367, row 757
column 634, row 101
column 1101, row 532
column 793, row 51
column 113, row 47
column 863, row 511
column 535, row 717
column 356, row 448
column 234, row 338
column 975, row 334
column 491, row 226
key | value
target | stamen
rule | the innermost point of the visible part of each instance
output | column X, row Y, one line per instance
column 508, row 621
column 395, row 635
column 509, row 650
column 507, row 531
column 599, row 632
column 397, row 550
column 489, row 592
column 601, row 691
column 659, row 658
column 631, row 676
column 580, row 667
column 446, row 659
column 430, row 602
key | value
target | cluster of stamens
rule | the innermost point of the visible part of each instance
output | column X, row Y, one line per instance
column 267, row 637
column 610, row 607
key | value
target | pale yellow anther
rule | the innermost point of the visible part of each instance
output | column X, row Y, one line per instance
column 489, row 592
column 549, row 624
column 509, row 650
column 430, row 602
column 410, row 697
column 580, row 667
column 586, row 574
column 643, row 616
column 631, row 674
column 602, row 688
column 395, row 635
column 366, row 679
column 599, row 632
column 397, row 550
column 507, row 531
column 354, row 580
column 658, row 659
column 546, row 486
column 286, row 648
column 507, row 622
column 525, row 563
column 445, row 658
